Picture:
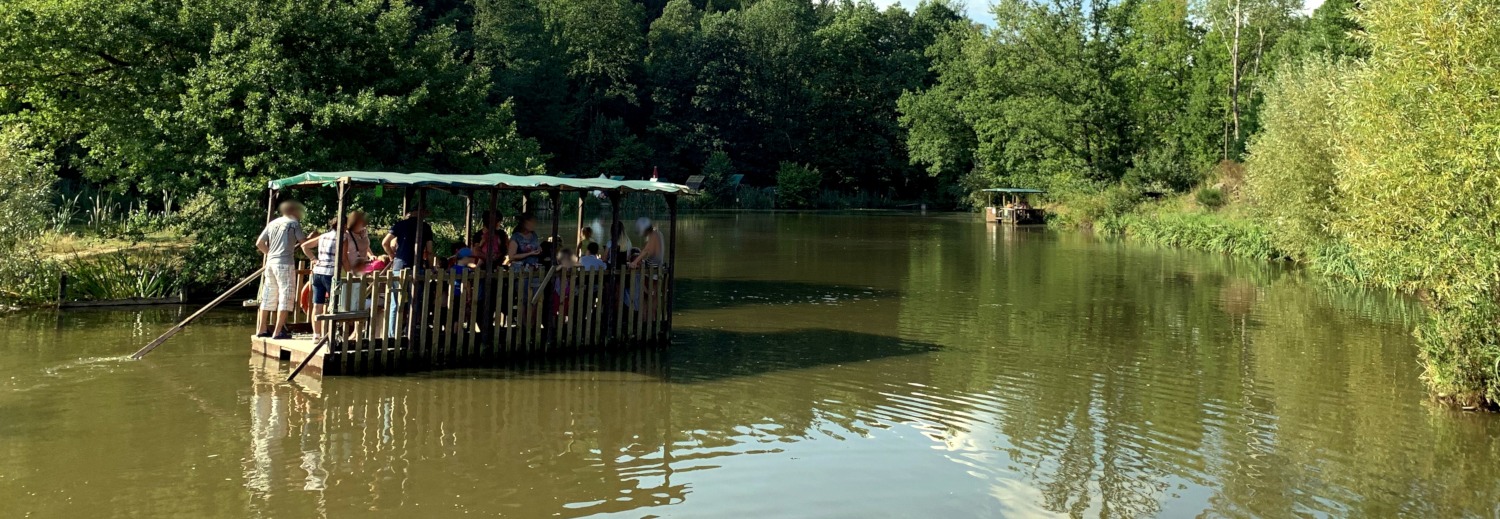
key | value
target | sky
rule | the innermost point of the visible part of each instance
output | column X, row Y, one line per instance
column 979, row 10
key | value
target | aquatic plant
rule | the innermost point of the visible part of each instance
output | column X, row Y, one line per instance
column 126, row 275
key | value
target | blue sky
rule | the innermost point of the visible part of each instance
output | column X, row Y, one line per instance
column 979, row 10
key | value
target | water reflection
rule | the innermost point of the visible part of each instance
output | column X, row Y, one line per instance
column 824, row 365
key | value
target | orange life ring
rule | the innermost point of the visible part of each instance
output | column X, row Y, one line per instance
column 305, row 298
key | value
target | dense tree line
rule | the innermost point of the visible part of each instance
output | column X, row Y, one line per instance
column 1075, row 95
column 180, row 95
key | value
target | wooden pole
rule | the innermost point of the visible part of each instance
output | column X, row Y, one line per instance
column 614, row 219
column 579, row 231
column 338, row 252
column 556, row 218
column 671, row 260
column 419, row 259
column 468, row 217
column 159, row 340
column 309, row 356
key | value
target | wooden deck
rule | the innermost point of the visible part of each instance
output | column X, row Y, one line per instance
column 294, row 350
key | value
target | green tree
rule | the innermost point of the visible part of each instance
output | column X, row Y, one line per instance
column 1418, row 175
column 1245, row 30
column 1291, row 178
column 797, row 185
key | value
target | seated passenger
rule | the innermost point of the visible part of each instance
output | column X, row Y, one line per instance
column 590, row 260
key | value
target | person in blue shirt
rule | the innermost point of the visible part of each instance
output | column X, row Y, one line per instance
column 590, row 259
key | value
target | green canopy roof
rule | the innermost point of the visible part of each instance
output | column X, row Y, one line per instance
column 1017, row 190
column 485, row 181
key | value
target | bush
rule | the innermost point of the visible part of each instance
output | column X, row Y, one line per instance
column 1210, row 197
column 223, row 223
column 25, row 188
column 1290, row 173
column 716, row 172
column 1103, row 211
column 1164, row 167
column 797, row 185
column 150, row 274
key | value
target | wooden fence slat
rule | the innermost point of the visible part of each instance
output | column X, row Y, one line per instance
column 443, row 320
column 473, row 325
column 510, row 311
column 597, row 312
column 497, row 284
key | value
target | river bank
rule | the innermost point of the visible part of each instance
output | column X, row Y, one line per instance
column 1457, row 373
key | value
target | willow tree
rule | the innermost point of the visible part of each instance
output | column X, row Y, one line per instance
column 1418, row 177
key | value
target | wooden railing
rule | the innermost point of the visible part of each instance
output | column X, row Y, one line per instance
column 403, row 321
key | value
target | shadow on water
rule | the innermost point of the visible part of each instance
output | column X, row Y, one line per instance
column 701, row 355
column 712, row 294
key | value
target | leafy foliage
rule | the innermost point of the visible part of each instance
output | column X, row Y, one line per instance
column 797, row 185
column 1419, row 176
column 1290, row 172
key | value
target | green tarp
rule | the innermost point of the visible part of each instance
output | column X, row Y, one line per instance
column 486, row 181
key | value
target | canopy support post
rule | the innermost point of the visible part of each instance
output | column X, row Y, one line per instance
column 579, row 231
column 616, row 287
column 614, row 233
column 419, row 260
column 556, row 204
column 468, row 217
column 671, row 261
column 551, row 299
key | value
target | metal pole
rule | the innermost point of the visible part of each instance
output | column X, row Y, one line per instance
column 617, row 274
column 671, row 261
column 551, row 298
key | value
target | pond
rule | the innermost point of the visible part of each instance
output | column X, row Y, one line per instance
column 860, row 365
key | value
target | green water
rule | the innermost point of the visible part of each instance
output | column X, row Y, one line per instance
column 824, row 366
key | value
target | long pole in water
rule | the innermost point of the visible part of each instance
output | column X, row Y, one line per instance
column 309, row 356
column 236, row 288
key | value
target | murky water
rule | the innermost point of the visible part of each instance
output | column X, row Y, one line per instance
column 824, row 366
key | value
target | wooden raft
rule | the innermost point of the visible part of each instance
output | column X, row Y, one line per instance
column 392, row 323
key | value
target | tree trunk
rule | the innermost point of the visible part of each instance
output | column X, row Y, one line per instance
column 1234, row 77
